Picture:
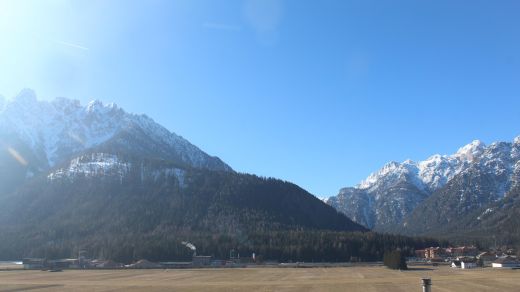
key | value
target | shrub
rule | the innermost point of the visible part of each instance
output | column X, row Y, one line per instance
column 395, row 260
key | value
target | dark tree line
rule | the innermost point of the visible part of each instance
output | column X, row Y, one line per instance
column 284, row 246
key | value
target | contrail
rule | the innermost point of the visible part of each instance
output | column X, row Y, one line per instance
column 72, row 45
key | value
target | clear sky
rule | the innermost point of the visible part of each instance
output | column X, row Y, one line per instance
column 320, row 93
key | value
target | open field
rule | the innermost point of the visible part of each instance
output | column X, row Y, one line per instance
column 363, row 279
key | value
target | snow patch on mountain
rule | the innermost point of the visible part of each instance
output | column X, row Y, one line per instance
column 486, row 212
column 110, row 165
column 94, row 165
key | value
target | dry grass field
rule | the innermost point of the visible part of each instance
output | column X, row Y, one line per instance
column 363, row 279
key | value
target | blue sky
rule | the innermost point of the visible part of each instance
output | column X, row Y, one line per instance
column 320, row 93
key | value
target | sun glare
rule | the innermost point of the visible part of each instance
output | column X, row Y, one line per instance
column 17, row 156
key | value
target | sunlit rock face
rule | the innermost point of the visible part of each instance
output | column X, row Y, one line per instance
column 388, row 199
column 55, row 130
column 45, row 135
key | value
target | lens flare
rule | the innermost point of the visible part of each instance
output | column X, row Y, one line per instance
column 76, row 138
column 17, row 156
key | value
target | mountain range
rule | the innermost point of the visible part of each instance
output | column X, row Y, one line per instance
column 455, row 196
column 96, row 176
column 122, row 186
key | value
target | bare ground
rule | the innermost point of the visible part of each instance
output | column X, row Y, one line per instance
column 363, row 279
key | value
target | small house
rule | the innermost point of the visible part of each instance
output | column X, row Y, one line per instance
column 108, row 264
column 143, row 264
column 506, row 262
column 462, row 251
column 176, row 265
column 434, row 253
column 487, row 257
column 468, row 264
column 420, row 253
column 201, row 261
column 33, row 263
column 62, row 263
column 455, row 264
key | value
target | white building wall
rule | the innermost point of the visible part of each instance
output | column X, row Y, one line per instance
column 498, row 265
column 467, row 265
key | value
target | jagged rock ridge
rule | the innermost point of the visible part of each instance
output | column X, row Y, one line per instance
column 387, row 198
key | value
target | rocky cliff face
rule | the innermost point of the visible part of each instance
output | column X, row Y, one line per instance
column 418, row 196
column 38, row 135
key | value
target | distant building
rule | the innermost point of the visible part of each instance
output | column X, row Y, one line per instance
column 464, row 263
column 420, row 253
column 33, row 263
column 176, row 265
column 143, row 264
column 506, row 262
column 437, row 253
column 461, row 251
column 63, row 264
column 468, row 264
column 434, row 253
column 218, row 263
column 201, row 261
column 487, row 257
column 105, row 264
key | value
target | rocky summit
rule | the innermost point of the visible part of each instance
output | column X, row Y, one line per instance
column 427, row 197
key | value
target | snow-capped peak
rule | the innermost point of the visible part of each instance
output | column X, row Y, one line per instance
column 470, row 151
column 374, row 177
column 387, row 197
column 56, row 130
column 392, row 171
column 97, row 107
column 437, row 170
column 24, row 104
column 94, row 105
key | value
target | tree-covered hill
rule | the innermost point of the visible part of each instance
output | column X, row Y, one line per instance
column 73, row 206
